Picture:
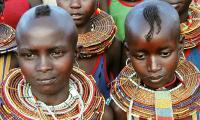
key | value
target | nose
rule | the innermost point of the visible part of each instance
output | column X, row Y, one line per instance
column 75, row 4
column 153, row 64
column 44, row 64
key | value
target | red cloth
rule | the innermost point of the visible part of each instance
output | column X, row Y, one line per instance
column 13, row 10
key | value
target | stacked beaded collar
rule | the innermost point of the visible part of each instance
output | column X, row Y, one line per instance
column 83, row 98
column 99, row 38
column 185, row 98
column 7, row 38
column 191, row 29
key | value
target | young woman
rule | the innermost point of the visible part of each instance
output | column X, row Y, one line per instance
column 99, row 51
column 156, row 83
column 47, row 86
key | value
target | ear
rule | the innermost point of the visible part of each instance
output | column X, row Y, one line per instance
column 181, row 43
column 76, row 53
column 126, row 49
column 181, row 47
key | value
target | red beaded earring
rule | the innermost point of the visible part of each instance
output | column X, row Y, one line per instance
column 98, row 10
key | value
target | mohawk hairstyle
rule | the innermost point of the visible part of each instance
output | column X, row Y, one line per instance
column 43, row 10
column 151, row 15
column 1, row 5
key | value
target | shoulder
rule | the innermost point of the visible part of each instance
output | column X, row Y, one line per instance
column 118, row 113
column 108, row 113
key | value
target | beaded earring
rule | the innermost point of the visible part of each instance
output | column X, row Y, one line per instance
column 98, row 10
column 128, row 61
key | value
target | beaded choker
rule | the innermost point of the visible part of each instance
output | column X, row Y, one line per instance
column 84, row 101
column 7, row 38
column 99, row 38
column 129, row 95
column 191, row 29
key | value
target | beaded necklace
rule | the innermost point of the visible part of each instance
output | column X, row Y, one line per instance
column 139, row 101
column 84, row 101
column 191, row 29
column 7, row 38
column 99, row 38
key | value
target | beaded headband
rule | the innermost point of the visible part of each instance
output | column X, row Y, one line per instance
column 7, row 38
column 99, row 38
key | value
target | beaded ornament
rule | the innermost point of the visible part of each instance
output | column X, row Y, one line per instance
column 191, row 29
column 84, row 100
column 99, row 38
column 142, row 102
column 7, row 38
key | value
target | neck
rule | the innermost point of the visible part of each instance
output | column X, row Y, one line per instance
column 184, row 16
column 84, row 28
column 52, row 99
column 173, row 83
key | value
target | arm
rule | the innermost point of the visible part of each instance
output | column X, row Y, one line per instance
column 113, row 56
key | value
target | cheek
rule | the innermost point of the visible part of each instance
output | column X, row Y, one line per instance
column 27, row 68
column 63, row 4
column 90, row 7
column 64, row 65
column 139, row 66
column 171, row 63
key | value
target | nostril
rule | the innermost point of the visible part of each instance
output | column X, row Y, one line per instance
column 75, row 5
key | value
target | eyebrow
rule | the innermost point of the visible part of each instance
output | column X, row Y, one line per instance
column 53, row 48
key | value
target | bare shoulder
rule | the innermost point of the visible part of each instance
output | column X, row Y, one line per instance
column 108, row 113
column 119, row 114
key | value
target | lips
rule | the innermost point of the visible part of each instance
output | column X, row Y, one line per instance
column 155, row 79
column 46, row 81
column 76, row 16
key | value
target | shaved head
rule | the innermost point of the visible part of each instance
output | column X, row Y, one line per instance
column 49, row 19
column 151, row 18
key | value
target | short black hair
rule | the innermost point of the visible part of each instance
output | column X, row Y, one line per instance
column 151, row 15
column 43, row 10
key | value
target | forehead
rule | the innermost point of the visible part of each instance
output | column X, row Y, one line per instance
column 157, row 43
column 43, row 31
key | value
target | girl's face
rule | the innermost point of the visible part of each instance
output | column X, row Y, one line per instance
column 46, row 56
column 80, row 10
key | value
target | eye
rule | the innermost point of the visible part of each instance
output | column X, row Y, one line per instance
column 57, row 53
column 165, row 53
column 140, row 56
column 28, row 56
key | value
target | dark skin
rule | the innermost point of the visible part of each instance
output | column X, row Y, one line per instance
column 154, row 61
column 46, row 55
column 182, row 7
column 81, row 11
column 14, row 62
